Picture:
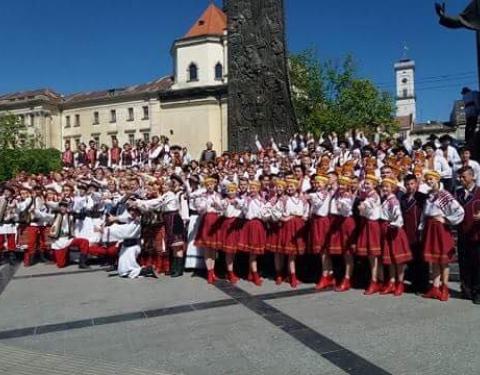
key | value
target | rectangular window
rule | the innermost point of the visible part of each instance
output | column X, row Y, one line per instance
column 113, row 137
column 131, row 138
column 96, row 118
column 77, row 141
column 32, row 119
column 405, row 93
column 145, row 112
column 146, row 137
column 130, row 114
column 67, row 121
column 96, row 138
column 77, row 120
column 113, row 115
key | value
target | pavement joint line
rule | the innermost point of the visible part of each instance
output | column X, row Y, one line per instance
column 63, row 273
column 333, row 352
column 111, row 319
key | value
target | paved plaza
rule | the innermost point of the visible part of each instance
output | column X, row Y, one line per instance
column 87, row 322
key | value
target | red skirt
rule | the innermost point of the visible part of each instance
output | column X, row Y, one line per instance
column 293, row 237
column 208, row 236
column 253, row 237
column 438, row 243
column 318, row 236
column 396, row 249
column 369, row 238
column 273, row 237
column 230, row 228
column 341, row 237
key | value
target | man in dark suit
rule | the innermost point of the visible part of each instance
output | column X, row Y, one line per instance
column 412, row 203
column 469, row 235
column 209, row 154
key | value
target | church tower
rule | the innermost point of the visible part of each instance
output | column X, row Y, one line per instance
column 405, row 83
column 200, row 57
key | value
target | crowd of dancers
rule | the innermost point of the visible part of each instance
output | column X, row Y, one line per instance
column 151, row 209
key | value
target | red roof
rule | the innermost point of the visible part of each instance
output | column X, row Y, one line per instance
column 212, row 22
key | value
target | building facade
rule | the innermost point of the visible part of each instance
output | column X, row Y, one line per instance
column 189, row 106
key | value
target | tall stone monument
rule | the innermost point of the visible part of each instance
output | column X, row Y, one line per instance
column 259, row 101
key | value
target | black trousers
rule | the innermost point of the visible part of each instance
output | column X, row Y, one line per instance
column 469, row 264
column 470, row 129
column 418, row 271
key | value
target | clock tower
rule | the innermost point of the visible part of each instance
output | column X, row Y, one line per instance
column 405, row 93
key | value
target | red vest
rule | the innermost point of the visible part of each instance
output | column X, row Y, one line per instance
column 469, row 228
column 115, row 155
column 67, row 158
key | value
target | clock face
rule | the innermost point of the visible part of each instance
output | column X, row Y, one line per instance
column 404, row 80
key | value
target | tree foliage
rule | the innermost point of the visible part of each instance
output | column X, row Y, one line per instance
column 23, row 151
column 330, row 97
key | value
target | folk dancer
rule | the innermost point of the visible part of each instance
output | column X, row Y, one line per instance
column 395, row 247
column 469, row 236
column 441, row 210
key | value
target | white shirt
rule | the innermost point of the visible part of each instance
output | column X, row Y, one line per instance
column 296, row 206
column 341, row 205
column 320, row 203
column 372, row 206
column 254, row 208
column 391, row 211
column 443, row 204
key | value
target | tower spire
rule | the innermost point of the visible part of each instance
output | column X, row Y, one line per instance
column 406, row 49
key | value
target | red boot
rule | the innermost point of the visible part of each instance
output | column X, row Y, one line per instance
column 434, row 292
column 344, row 286
column 27, row 259
column 325, row 282
column 399, row 289
column 389, row 288
column 256, row 279
column 373, row 288
column 232, row 277
column 444, row 293
column 211, row 277
column 293, row 280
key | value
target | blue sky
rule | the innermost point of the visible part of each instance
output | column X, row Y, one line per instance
column 75, row 46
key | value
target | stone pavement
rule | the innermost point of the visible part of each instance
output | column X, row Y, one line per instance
column 70, row 321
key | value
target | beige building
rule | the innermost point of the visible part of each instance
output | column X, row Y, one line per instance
column 189, row 106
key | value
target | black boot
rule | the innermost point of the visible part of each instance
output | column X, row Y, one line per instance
column 12, row 258
column 179, row 265
column 148, row 272
column 42, row 257
column 173, row 267
column 111, row 268
column 82, row 263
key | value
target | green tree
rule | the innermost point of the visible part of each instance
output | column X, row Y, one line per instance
column 23, row 151
column 331, row 97
column 11, row 130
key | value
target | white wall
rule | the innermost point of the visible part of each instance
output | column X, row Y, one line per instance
column 205, row 53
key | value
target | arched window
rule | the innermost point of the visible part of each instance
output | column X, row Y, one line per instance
column 218, row 72
column 405, row 93
column 193, row 72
